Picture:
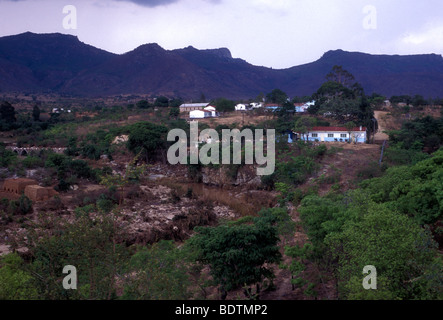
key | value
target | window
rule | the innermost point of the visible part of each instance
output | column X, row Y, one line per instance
column 315, row 135
column 330, row 135
column 344, row 135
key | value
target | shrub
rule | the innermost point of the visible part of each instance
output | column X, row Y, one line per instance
column 15, row 283
column 62, row 185
column 174, row 196
column 31, row 162
column 21, row 206
column 24, row 204
column 105, row 205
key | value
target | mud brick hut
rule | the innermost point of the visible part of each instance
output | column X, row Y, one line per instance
column 17, row 186
column 29, row 187
column 37, row 193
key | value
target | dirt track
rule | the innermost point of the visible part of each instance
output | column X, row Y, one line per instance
column 380, row 116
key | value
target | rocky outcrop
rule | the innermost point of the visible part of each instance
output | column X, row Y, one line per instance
column 162, row 219
column 231, row 175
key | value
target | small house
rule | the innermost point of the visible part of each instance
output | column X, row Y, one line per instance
column 256, row 105
column 240, row 107
column 334, row 134
column 192, row 106
column 212, row 110
column 18, row 185
column 303, row 107
column 200, row 114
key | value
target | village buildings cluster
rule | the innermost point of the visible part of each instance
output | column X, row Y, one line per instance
column 317, row 134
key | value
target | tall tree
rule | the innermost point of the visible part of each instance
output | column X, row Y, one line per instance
column 36, row 113
column 304, row 125
column 7, row 112
column 161, row 102
column 239, row 255
column 349, row 127
column 159, row 271
column 147, row 138
column 341, row 76
column 224, row 105
column 277, row 96
column 342, row 98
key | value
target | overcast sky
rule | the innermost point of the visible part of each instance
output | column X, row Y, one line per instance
column 272, row 33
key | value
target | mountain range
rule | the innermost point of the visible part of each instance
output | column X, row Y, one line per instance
column 57, row 63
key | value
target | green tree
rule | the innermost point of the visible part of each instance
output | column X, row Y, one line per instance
column 36, row 113
column 143, row 104
column 412, row 190
column 349, row 127
column 340, row 76
column 418, row 101
column 224, row 105
column 24, row 205
column 344, row 99
column 87, row 242
column 355, row 290
column 425, row 132
column 7, row 157
column 174, row 113
column 399, row 249
column 147, row 138
column 161, row 102
column 7, row 112
column 300, row 256
column 239, row 255
column 277, row 96
column 376, row 100
column 15, row 282
column 304, row 126
column 176, row 102
column 158, row 272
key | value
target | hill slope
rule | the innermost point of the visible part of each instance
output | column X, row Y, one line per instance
column 62, row 64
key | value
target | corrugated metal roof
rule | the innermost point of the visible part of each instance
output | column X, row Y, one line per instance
column 335, row 129
column 194, row 105
column 341, row 129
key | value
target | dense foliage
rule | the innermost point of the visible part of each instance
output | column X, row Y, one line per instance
column 386, row 223
column 237, row 254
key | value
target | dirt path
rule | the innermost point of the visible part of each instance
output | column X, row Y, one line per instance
column 381, row 118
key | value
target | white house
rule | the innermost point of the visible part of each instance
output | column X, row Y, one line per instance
column 199, row 114
column 256, row 105
column 240, row 107
column 334, row 134
column 186, row 107
column 303, row 107
column 212, row 110
column 60, row 110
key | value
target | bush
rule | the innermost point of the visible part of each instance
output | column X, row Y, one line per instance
column 269, row 181
column 7, row 157
column 15, row 283
column 21, row 206
column 31, row 162
column 62, row 186
column 370, row 171
column 24, row 205
column 105, row 205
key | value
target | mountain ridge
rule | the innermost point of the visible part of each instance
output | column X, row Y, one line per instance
column 59, row 63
